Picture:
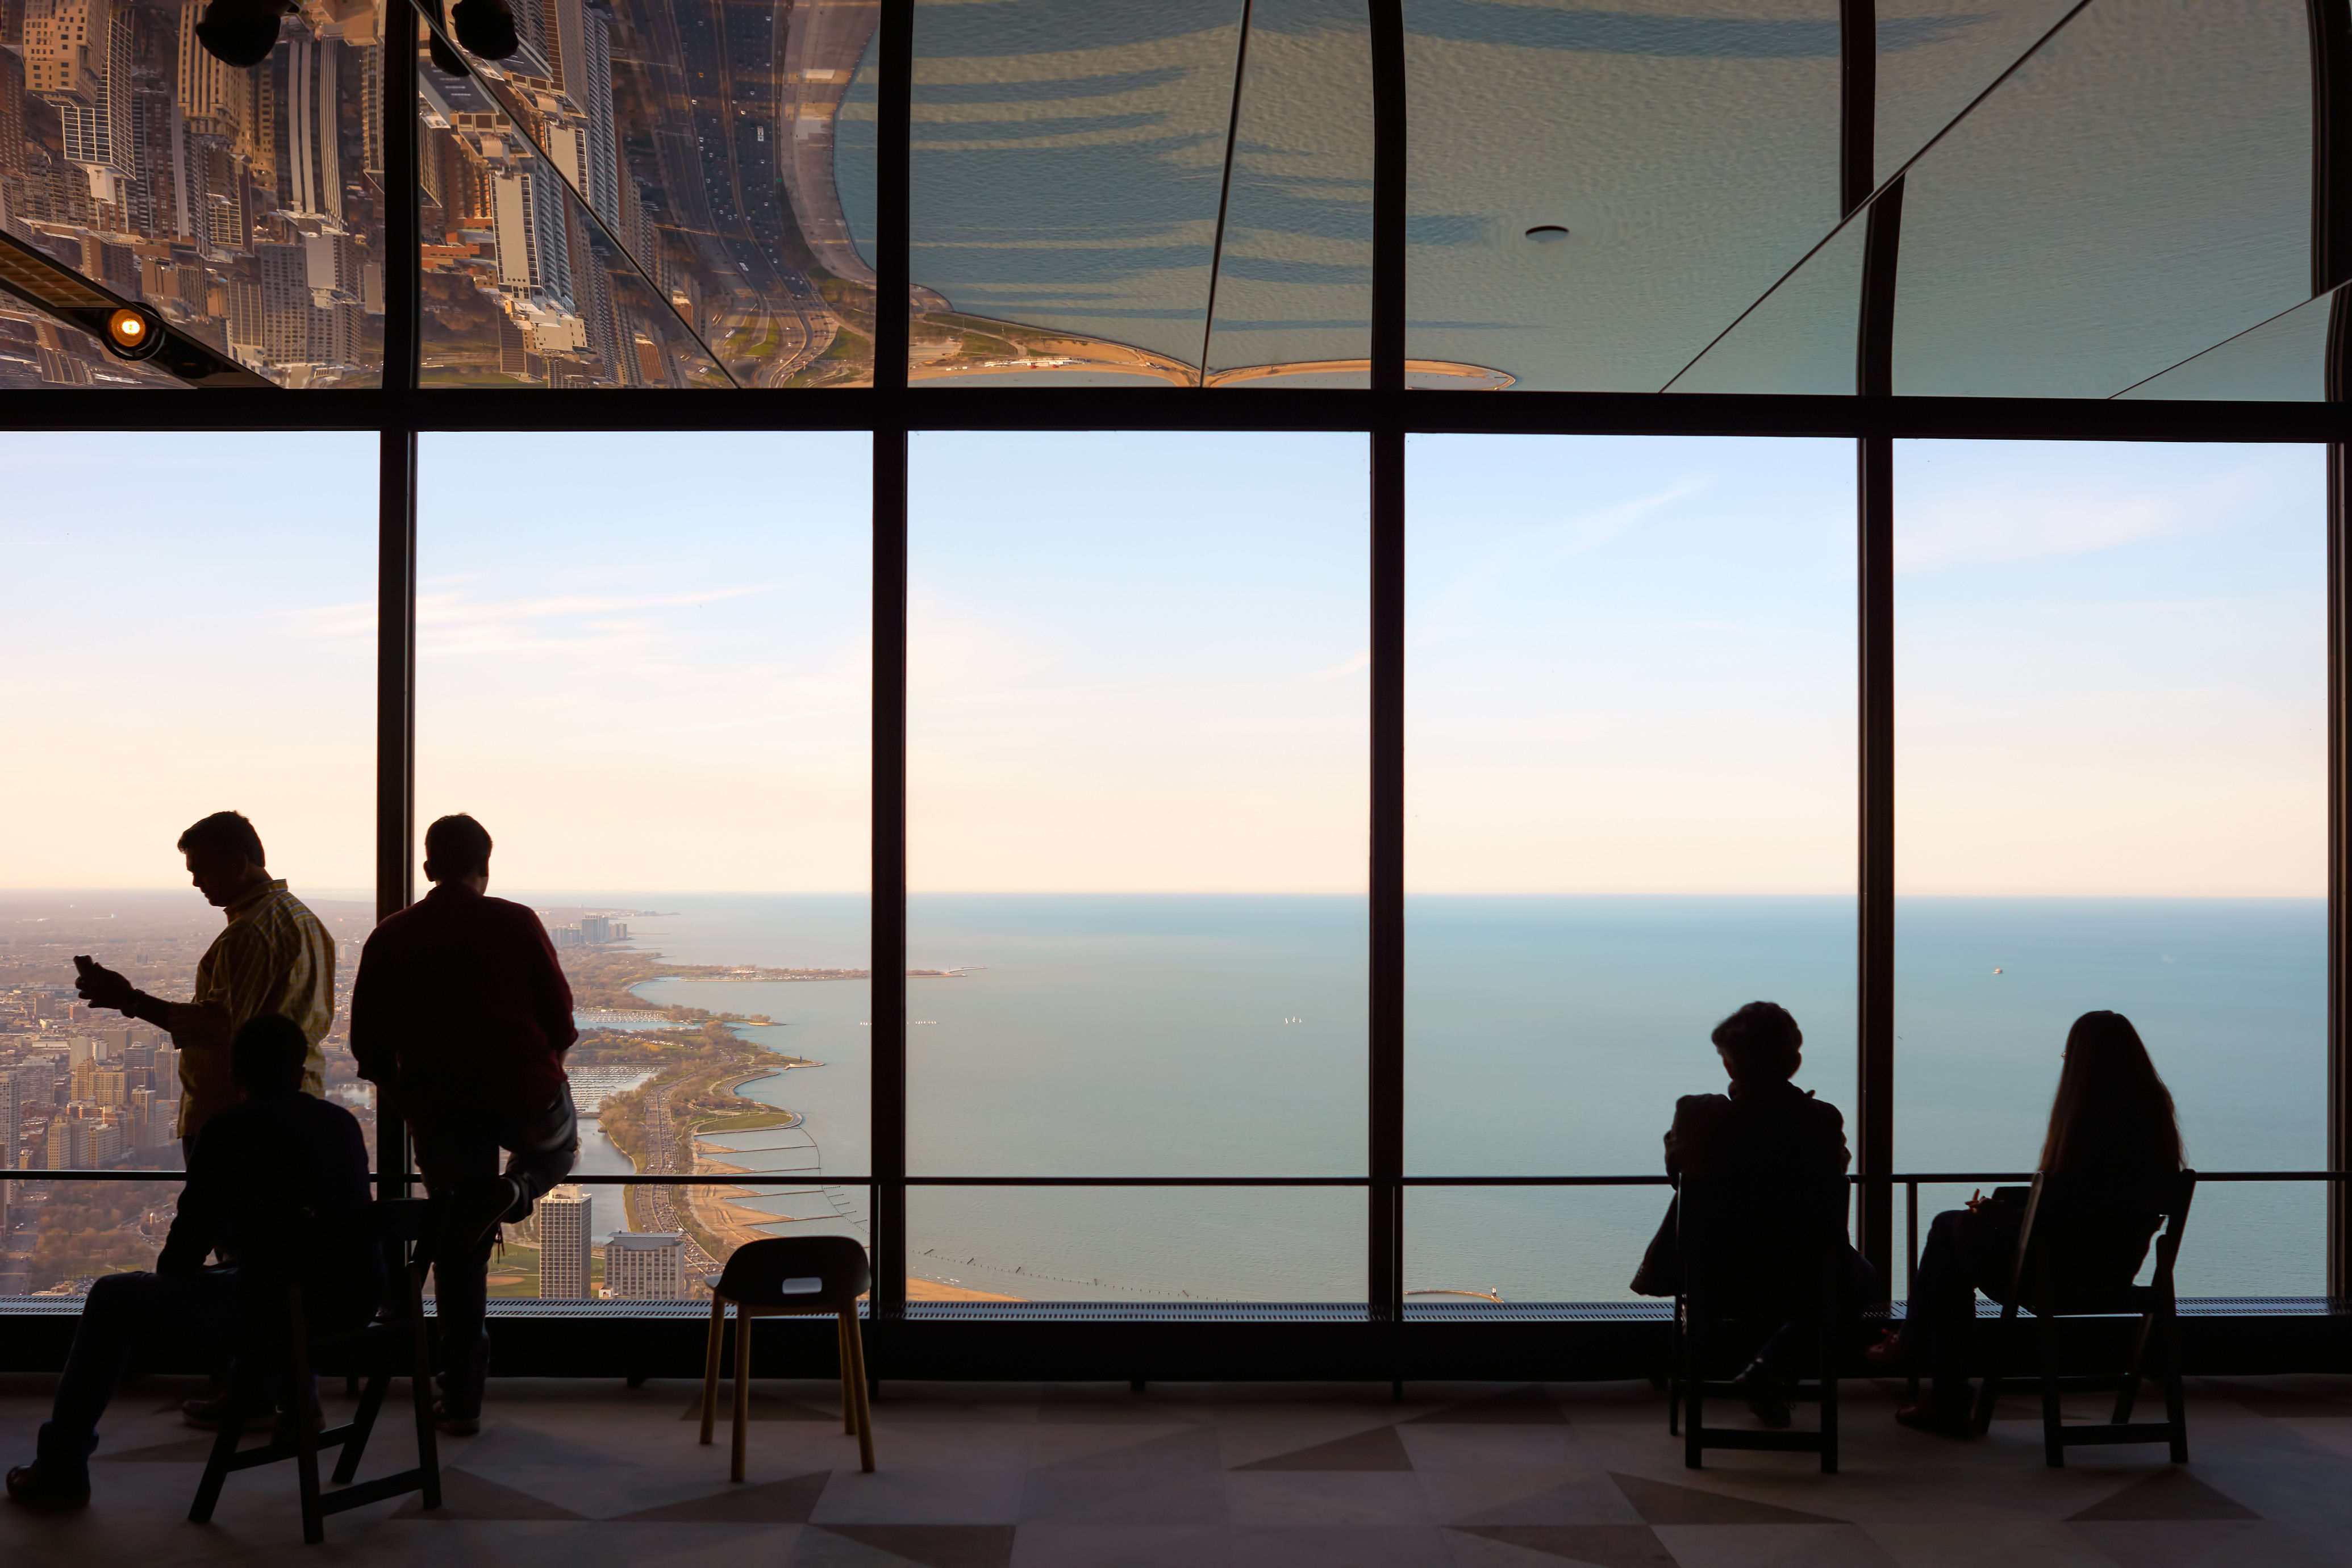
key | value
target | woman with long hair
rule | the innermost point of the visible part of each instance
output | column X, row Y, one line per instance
column 2111, row 1119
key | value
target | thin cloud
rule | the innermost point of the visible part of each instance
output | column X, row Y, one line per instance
column 2039, row 520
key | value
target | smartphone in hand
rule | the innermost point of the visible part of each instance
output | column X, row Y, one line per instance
column 83, row 965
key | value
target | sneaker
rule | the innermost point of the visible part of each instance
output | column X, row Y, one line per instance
column 452, row 1423
column 1939, row 1417
column 37, row 1486
column 1886, row 1355
column 207, row 1413
column 1762, row 1392
column 472, row 1213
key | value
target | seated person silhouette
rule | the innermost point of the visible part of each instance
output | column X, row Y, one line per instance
column 269, row 1179
column 2113, row 1119
column 1765, row 1127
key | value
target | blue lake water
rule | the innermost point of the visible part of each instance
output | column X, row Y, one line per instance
column 1225, row 1037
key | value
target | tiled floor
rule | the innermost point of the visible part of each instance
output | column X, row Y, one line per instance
column 589, row 1473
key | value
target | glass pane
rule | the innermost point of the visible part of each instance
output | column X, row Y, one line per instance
column 1630, row 776
column 1933, row 60
column 62, row 1235
column 582, row 675
column 210, row 603
column 698, row 144
column 1596, row 192
column 1137, row 808
column 2285, row 360
column 2112, row 783
column 1135, row 1245
column 1802, row 337
column 1467, row 1248
column 239, row 204
column 1293, row 285
column 521, row 282
column 1068, row 158
column 2139, row 190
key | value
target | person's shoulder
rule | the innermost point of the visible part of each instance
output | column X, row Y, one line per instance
column 326, row 1110
column 521, row 917
column 1696, row 1107
column 1816, row 1109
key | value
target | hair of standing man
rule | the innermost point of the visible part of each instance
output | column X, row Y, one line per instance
column 2111, row 1111
column 267, row 1054
column 457, row 845
column 223, row 830
column 1762, row 1041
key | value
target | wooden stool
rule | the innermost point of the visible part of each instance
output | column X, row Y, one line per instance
column 789, row 1277
column 391, row 1345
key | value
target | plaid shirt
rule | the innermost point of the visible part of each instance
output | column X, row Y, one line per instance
column 273, row 957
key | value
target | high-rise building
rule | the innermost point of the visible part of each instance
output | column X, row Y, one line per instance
column 564, row 1241
column 11, row 1115
column 216, row 100
column 310, row 174
column 77, row 56
column 595, row 929
column 110, row 1086
column 645, row 1266
column 527, row 216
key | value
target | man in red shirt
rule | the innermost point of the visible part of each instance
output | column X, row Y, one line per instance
column 460, row 1017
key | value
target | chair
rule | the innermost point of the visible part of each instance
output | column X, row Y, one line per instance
column 1758, row 1252
column 2067, row 1218
column 789, row 1277
column 395, row 1334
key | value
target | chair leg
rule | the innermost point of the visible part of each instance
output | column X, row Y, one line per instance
column 420, row 1394
column 710, row 1365
column 1828, row 1397
column 2053, row 1413
column 1674, row 1375
column 841, row 1331
column 2176, row 1405
column 306, row 1442
column 1694, row 1396
column 865, row 1407
column 347, row 1463
column 743, row 1389
column 2128, row 1394
column 2002, row 1337
column 208, row 1490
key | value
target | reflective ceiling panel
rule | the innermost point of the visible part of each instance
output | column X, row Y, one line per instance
column 1596, row 192
column 1802, row 337
column 522, row 286
column 1068, row 159
column 1935, row 56
column 1294, row 294
column 697, row 137
column 2285, row 360
column 2137, row 191
column 242, row 206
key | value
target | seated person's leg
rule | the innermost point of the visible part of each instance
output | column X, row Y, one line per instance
column 122, row 1311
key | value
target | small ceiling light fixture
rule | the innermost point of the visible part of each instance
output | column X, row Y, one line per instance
column 240, row 33
column 132, row 334
column 485, row 28
column 1546, row 234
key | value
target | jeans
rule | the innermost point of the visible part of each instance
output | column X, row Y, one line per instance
column 452, row 1152
column 1964, row 1250
column 1794, row 1338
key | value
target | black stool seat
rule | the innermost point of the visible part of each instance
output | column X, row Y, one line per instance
column 789, row 1277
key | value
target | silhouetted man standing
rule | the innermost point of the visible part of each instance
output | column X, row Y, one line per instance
column 273, row 956
column 460, row 1016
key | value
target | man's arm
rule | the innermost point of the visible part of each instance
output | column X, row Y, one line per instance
column 551, row 994
column 371, row 1037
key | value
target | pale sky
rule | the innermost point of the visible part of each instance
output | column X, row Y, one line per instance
column 1138, row 661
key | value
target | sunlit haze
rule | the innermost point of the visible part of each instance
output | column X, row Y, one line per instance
column 1139, row 662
